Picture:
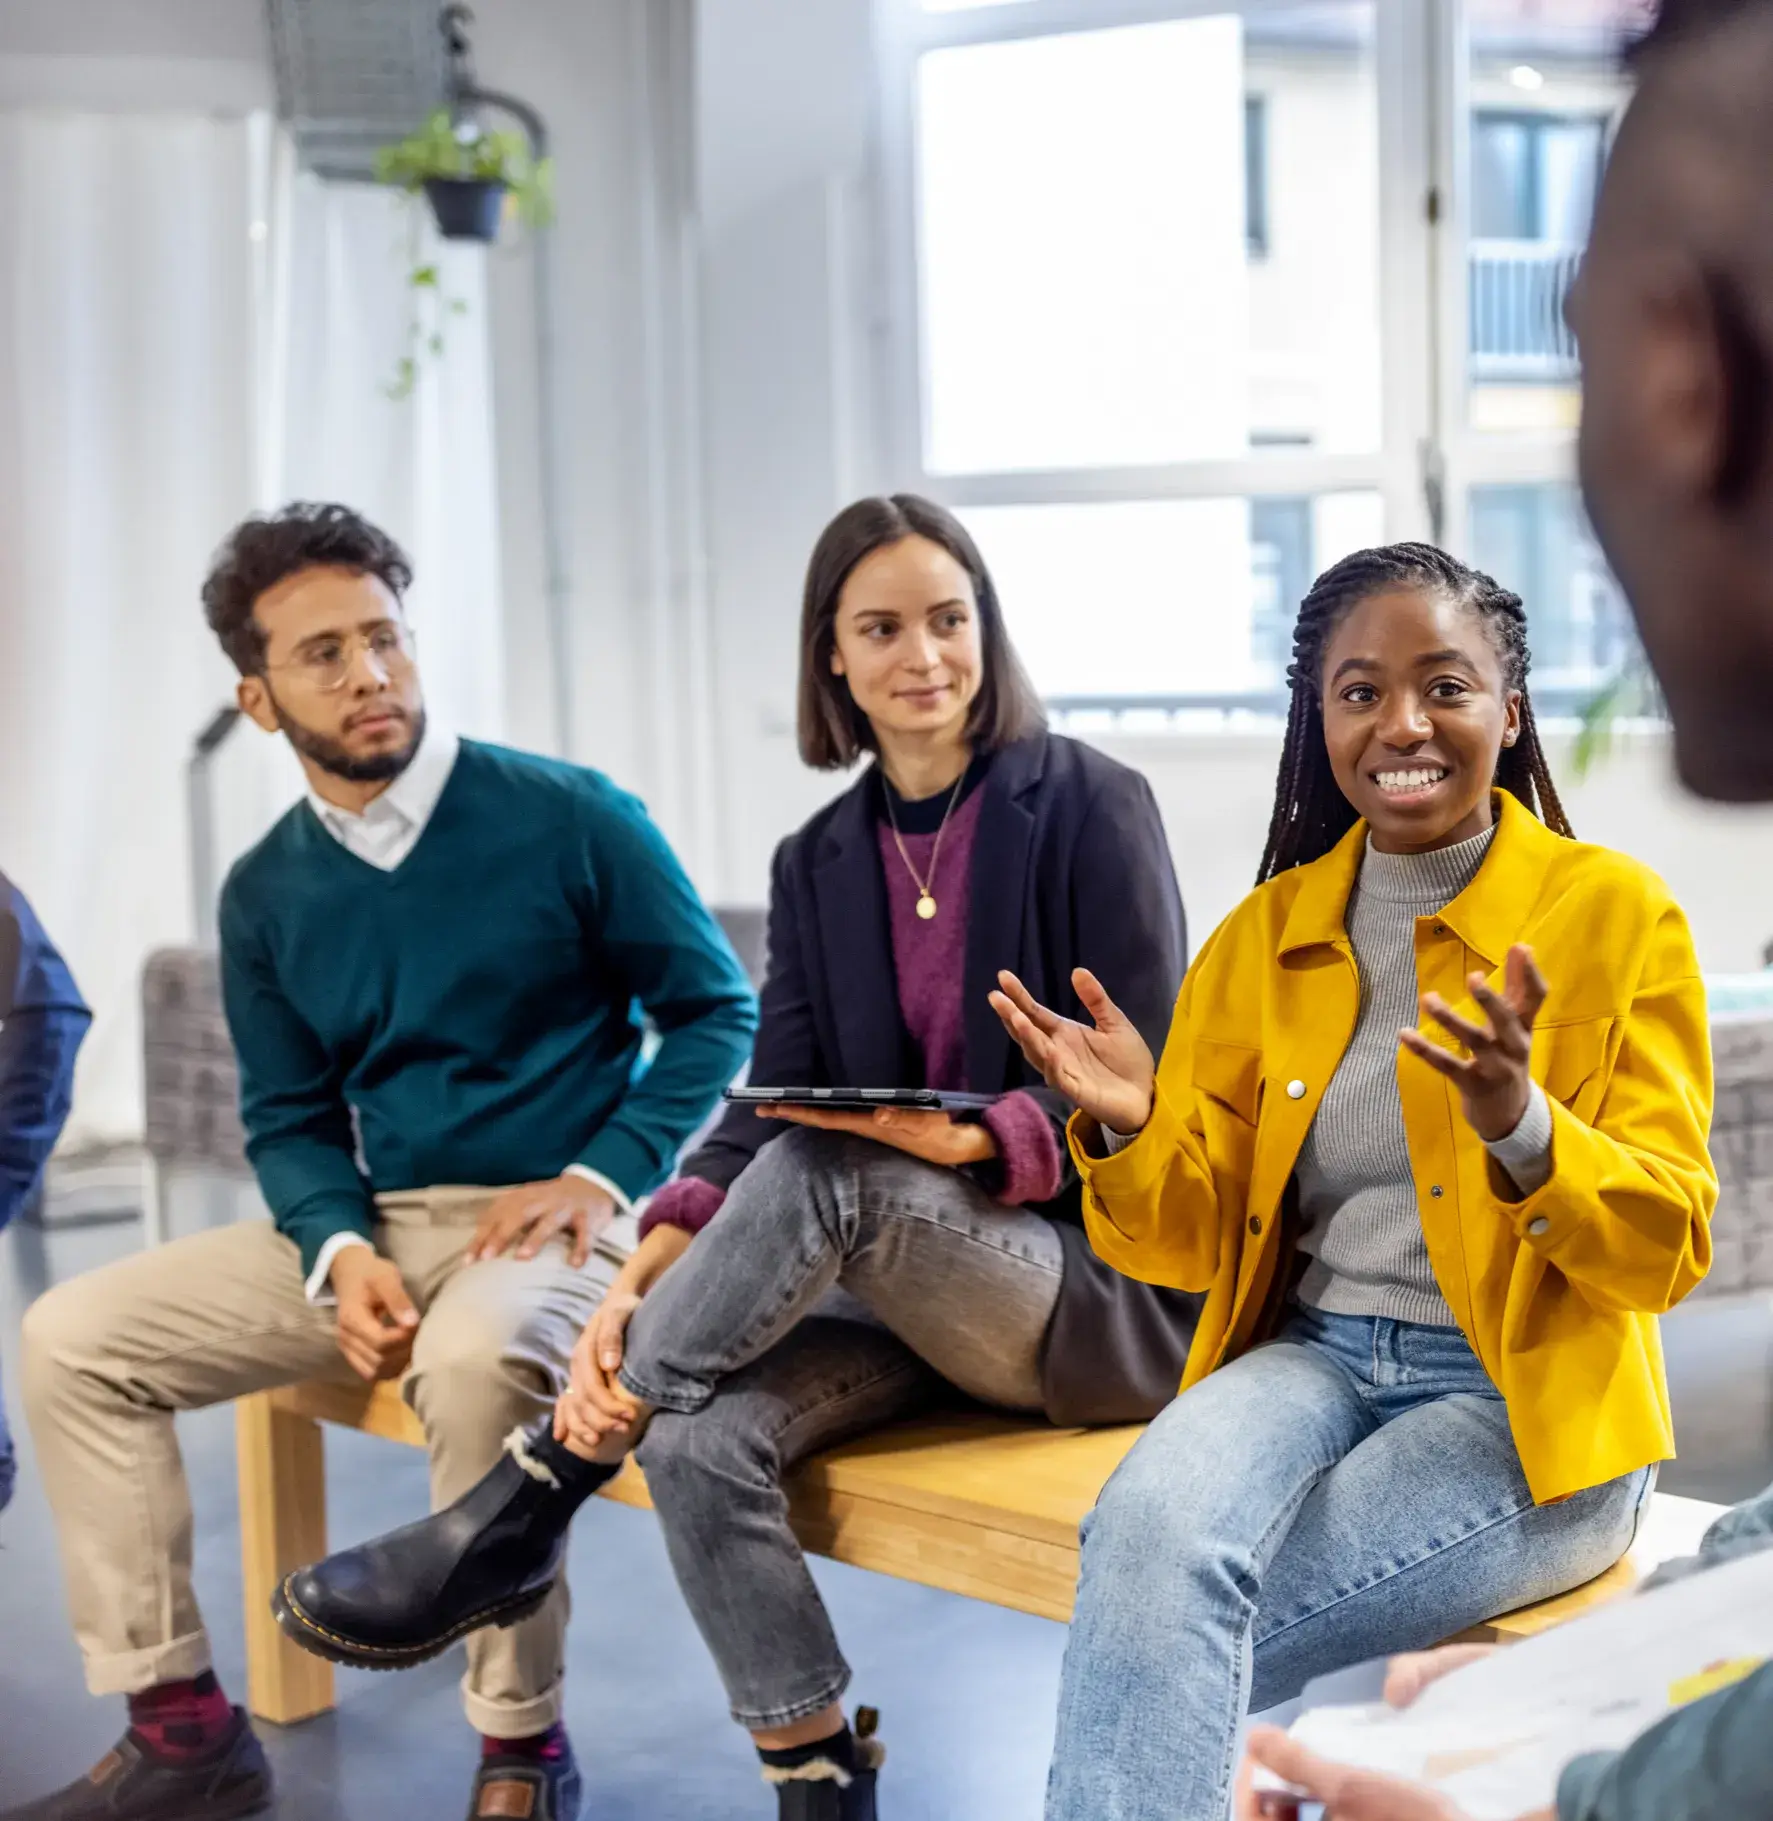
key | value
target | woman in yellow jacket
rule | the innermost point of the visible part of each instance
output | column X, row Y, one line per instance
column 1427, row 1384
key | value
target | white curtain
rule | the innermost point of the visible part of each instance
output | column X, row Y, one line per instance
column 126, row 446
column 189, row 331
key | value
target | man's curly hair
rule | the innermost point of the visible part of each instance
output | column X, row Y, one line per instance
column 270, row 547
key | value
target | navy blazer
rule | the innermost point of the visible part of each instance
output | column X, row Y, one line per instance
column 1070, row 868
column 42, row 1022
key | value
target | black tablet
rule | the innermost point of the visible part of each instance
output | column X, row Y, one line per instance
column 863, row 1100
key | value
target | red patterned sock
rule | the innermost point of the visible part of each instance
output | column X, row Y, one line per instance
column 180, row 1720
column 544, row 1747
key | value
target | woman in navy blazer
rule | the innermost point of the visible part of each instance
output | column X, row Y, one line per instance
column 813, row 1275
column 1069, row 870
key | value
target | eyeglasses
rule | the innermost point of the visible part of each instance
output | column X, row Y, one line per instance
column 326, row 665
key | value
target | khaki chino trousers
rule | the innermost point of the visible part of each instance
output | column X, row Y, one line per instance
column 111, row 1357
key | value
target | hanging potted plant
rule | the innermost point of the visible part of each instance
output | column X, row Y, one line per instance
column 467, row 173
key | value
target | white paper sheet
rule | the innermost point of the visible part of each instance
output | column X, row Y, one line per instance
column 1493, row 1737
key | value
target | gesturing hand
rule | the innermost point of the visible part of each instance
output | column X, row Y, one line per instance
column 1492, row 1078
column 1104, row 1067
column 376, row 1319
column 529, row 1215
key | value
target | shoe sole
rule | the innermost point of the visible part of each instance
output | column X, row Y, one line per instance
column 237, row 1808
column 300, row 1629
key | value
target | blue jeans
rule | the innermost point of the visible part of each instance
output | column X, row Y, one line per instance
column 1348, row 1490
column 753, row 1365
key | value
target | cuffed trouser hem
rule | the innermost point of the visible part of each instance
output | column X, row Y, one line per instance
column 770, row 1719
column 513, row 1719
column 684, row 1398
column 131, row 1671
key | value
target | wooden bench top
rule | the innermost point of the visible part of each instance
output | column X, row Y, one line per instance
column 987, row 1506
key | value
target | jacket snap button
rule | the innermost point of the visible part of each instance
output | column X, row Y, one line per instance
column 1295, row 1090
column 1539, row 1228
column 1255, row 1223
column 1437, row 1191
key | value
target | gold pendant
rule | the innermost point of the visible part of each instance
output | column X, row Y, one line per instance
column 926, row 907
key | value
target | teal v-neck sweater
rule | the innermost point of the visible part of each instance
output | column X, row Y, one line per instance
column 474, row 1016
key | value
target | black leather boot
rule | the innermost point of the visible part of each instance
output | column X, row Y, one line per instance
column 131, row 1783
column 824, row 1790
column 488, row 1559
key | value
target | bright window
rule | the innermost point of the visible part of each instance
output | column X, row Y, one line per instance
column 1190, row 599
column 1190, row 301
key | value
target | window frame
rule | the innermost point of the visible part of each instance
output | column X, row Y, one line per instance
column 1429, row 458
column 1258, row 230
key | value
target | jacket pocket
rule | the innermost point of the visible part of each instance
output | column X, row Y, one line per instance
column 1570, row 1061
column 1230, row 1073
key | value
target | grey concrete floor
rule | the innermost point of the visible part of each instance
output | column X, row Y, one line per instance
column 967, row 1691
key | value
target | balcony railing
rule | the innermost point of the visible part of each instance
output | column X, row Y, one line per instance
column 1517, row 292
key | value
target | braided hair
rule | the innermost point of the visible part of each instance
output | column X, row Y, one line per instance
column 1310, row 812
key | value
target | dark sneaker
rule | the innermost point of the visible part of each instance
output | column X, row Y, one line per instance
column 488, row 1559
column 824, row 1790
column 131, row 1784
column 527, row 1789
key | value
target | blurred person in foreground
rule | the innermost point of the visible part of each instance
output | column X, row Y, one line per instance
column 1674, row 312
column 436, row 969
column 42, row 1023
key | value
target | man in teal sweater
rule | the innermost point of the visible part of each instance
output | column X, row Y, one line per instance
column 439, row 970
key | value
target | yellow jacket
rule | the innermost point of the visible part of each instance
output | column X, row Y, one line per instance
column 1557, row 1294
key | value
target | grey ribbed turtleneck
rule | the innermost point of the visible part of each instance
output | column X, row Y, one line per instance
column 1362, row 1230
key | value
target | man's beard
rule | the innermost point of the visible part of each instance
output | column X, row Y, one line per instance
column 333, row 757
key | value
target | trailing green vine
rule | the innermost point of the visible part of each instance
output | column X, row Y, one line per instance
column 445, row 151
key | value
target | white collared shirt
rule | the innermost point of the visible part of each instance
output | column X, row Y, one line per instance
column 383, row 835
column 388, row 829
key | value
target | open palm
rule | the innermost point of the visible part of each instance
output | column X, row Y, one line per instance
column 1104, row 1067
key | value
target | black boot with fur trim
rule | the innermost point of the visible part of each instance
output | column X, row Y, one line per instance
column 830, row 1780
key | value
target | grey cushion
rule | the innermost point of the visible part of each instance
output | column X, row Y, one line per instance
column 192, row 1111
column 1742, row 1149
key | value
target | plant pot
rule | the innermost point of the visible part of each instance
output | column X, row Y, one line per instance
column 467, row 208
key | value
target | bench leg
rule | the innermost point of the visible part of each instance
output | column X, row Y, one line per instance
column 282, row 1526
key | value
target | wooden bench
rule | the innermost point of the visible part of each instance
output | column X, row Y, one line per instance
column 975, row 1504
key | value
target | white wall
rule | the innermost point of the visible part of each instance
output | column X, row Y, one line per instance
column 792, row 351
column 612, row 78
column 134, row 54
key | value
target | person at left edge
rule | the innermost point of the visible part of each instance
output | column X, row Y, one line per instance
column 435, row 970
column 43, row 1020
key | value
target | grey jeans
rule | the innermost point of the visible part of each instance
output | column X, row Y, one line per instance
column 841, row 1285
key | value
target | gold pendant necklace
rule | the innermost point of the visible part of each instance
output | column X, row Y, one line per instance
column 926, row 897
